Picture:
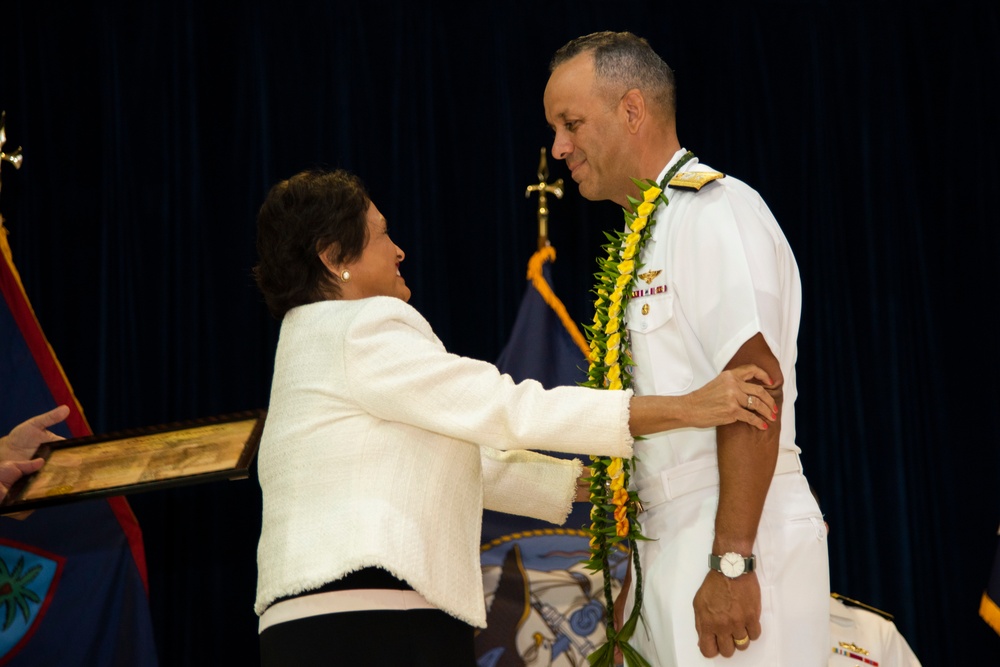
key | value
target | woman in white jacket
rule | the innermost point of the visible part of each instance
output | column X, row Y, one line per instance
column 381, row 449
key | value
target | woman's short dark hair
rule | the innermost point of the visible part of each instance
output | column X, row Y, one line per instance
column 311, row 213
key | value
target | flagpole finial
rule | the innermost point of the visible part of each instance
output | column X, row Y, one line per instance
column 14, row 158
column 543, row 188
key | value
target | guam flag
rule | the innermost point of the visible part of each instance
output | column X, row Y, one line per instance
column 543, row 606
column 73, row 588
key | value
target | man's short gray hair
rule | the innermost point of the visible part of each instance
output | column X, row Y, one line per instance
column 623, row 61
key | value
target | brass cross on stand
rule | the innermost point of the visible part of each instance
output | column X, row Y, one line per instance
column 14, row 158
column 543, row 189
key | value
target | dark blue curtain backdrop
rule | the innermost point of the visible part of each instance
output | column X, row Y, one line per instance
column 151, row 132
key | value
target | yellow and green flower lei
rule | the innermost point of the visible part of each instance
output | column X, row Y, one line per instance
column 614, row 507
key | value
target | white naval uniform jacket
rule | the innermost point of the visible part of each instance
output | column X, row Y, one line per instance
column 716, row 271
column 380, row 448
column 862, row 637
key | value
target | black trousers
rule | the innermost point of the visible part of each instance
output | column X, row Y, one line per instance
column 385, row 638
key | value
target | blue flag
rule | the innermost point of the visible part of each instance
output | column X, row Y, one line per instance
column 73, row 588
column 545, row 344
column 989, row 607
column 542, row 603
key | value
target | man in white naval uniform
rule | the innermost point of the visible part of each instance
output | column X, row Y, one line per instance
column 738, row 565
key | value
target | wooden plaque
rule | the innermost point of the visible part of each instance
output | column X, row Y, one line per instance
column 146, row 459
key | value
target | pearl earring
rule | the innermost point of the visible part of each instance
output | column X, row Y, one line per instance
column 345, row 276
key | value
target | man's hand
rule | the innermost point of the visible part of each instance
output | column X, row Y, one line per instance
column 583, row 486
column 726, row 610
column 17, row 448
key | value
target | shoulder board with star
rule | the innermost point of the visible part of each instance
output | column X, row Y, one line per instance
column 694, row 180
column 854, row 603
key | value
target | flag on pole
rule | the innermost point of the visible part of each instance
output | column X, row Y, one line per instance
column 543, row 604
column 73, row 588
column 545, row 344
column 989, row 607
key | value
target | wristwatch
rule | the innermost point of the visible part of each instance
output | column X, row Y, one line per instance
column 732, row 564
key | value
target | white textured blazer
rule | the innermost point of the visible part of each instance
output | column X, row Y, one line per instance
column 380, row 448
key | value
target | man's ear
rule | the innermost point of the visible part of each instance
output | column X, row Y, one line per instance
column 633, row 105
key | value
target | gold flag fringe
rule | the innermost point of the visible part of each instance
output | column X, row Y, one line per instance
column 548, row 254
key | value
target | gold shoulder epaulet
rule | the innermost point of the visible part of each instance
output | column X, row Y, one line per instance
column 693, row 180
column 862, row 605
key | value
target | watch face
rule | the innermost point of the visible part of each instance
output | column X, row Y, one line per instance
column 731, row 565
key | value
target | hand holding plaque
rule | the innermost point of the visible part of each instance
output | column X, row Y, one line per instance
column 146, row 459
